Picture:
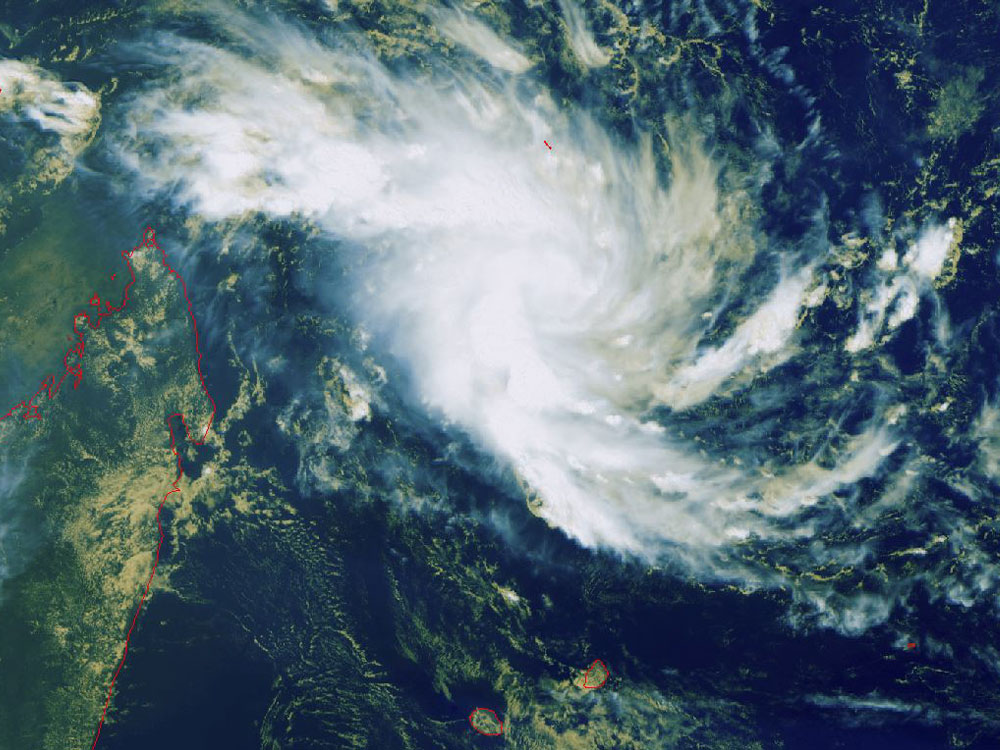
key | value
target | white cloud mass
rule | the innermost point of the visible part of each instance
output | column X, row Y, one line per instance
column 32, row 95
column 546, row 302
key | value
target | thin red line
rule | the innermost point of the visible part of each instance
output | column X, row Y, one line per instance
column 607, row 673
column 51, row 387
column 150, row 241
column 486, row 734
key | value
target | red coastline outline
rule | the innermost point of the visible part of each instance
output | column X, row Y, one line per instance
column 607, row 674
column 50, row 387
column 486, row 734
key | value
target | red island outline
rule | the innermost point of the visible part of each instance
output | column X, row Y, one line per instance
column 73, row 365
column 486, row 734
column 607, row 673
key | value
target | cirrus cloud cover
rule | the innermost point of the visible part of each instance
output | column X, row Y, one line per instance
column 559, row 307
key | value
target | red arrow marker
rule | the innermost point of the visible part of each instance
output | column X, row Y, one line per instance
column 547, row 144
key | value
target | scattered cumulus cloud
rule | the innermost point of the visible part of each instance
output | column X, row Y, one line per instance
column 899, row 283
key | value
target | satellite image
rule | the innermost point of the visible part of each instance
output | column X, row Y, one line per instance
column 538, row 374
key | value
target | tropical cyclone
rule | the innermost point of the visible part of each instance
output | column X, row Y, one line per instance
column 579, row 316
column 717, row 306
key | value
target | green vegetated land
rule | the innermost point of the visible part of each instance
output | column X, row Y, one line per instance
column 99, row 466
